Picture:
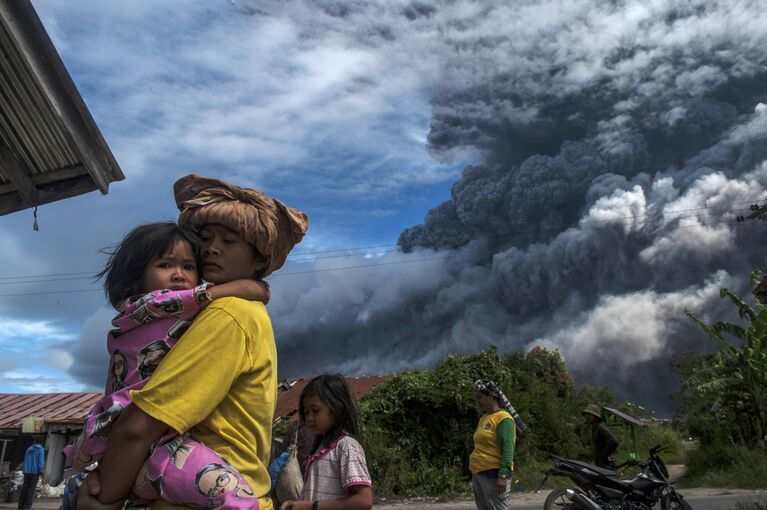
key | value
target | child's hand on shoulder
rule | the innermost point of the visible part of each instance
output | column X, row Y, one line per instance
column 245, row 288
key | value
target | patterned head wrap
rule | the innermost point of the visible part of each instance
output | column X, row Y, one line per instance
column 492, row 389
column 270, row 226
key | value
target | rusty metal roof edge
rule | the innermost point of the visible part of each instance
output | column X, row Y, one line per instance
column 18, row 406
column 26, row 27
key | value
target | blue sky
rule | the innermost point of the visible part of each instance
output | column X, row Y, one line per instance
column 205, row 87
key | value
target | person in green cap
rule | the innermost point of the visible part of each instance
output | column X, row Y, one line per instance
column 604, row 442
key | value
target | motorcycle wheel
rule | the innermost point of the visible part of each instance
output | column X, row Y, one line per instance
column 674, row 502
column 556, row 500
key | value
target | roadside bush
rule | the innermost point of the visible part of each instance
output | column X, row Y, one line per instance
column 425, row 479
column 709, row 457
column 529, row 475
column 394, row 472
column 659, row 433
column 719, row 465
column 418, row 426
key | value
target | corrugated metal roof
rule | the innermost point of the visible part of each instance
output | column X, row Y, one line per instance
column 50, row 146
column 287, row 401
column 52, row 407
column 74, row 407
column 626, row 417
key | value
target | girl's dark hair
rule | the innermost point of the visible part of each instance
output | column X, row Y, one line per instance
column 124, row 271
column 334, row 392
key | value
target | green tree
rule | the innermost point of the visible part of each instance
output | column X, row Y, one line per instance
column 418, row 426
column 735, row 376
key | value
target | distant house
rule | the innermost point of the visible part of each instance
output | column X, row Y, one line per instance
column 58, row 417
column 50, row 146
column 289, row 397
column 290, row 394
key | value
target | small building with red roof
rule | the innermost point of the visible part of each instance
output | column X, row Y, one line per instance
column 57, row 417
column 290, row 394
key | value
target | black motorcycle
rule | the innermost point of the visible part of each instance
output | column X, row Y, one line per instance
column 602, row 489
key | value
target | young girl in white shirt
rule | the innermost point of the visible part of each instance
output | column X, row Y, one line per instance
column 336, row 475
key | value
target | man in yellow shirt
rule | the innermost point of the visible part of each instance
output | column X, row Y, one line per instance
column 219, row 381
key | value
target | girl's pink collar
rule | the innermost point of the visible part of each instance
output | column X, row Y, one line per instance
column 322, row 451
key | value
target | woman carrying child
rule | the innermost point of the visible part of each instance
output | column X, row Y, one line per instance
column 153, row 280
column 336, row 475
column 219, row 382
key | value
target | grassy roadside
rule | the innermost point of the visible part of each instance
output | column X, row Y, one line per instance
column 726, row 466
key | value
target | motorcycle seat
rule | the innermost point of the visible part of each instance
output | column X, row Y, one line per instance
column 599, row 470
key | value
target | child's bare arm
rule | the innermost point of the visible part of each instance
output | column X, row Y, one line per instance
column 253, row 290
column 359, row 498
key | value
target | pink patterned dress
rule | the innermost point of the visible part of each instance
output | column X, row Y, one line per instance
column 178, row 467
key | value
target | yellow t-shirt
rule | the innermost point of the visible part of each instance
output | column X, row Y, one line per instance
column 220, row 382
column 487, row 454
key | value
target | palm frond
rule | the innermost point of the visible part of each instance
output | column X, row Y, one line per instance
column 743, row 309
column 755, row 278
column 704, row 326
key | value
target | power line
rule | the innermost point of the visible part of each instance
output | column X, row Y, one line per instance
column 728, row 208
column 51, row 292
column 292, row 273
column 358, row 267
column 46, row 281
column 518, row 234
column 300, row 254
column 502, row 235
column 524, row 234
column 275, row 276
column 43, row 275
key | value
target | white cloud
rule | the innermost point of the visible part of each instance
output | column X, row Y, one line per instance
column 19, row 333
column 262, row 94
column 31, row 360
column 35, row 382
column 59, row 358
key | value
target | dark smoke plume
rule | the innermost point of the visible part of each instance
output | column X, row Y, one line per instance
column 617, row 141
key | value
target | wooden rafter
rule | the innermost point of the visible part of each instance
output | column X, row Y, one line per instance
column 52, row 148
column 11, row 170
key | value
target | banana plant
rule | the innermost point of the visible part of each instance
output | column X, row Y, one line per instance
column 738, row 370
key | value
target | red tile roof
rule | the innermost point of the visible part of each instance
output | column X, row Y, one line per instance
column 287, row 401
column 52, row 407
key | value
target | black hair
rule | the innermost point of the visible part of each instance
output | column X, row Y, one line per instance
column 489, row 394
column 333, row 391
column 124, row 271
